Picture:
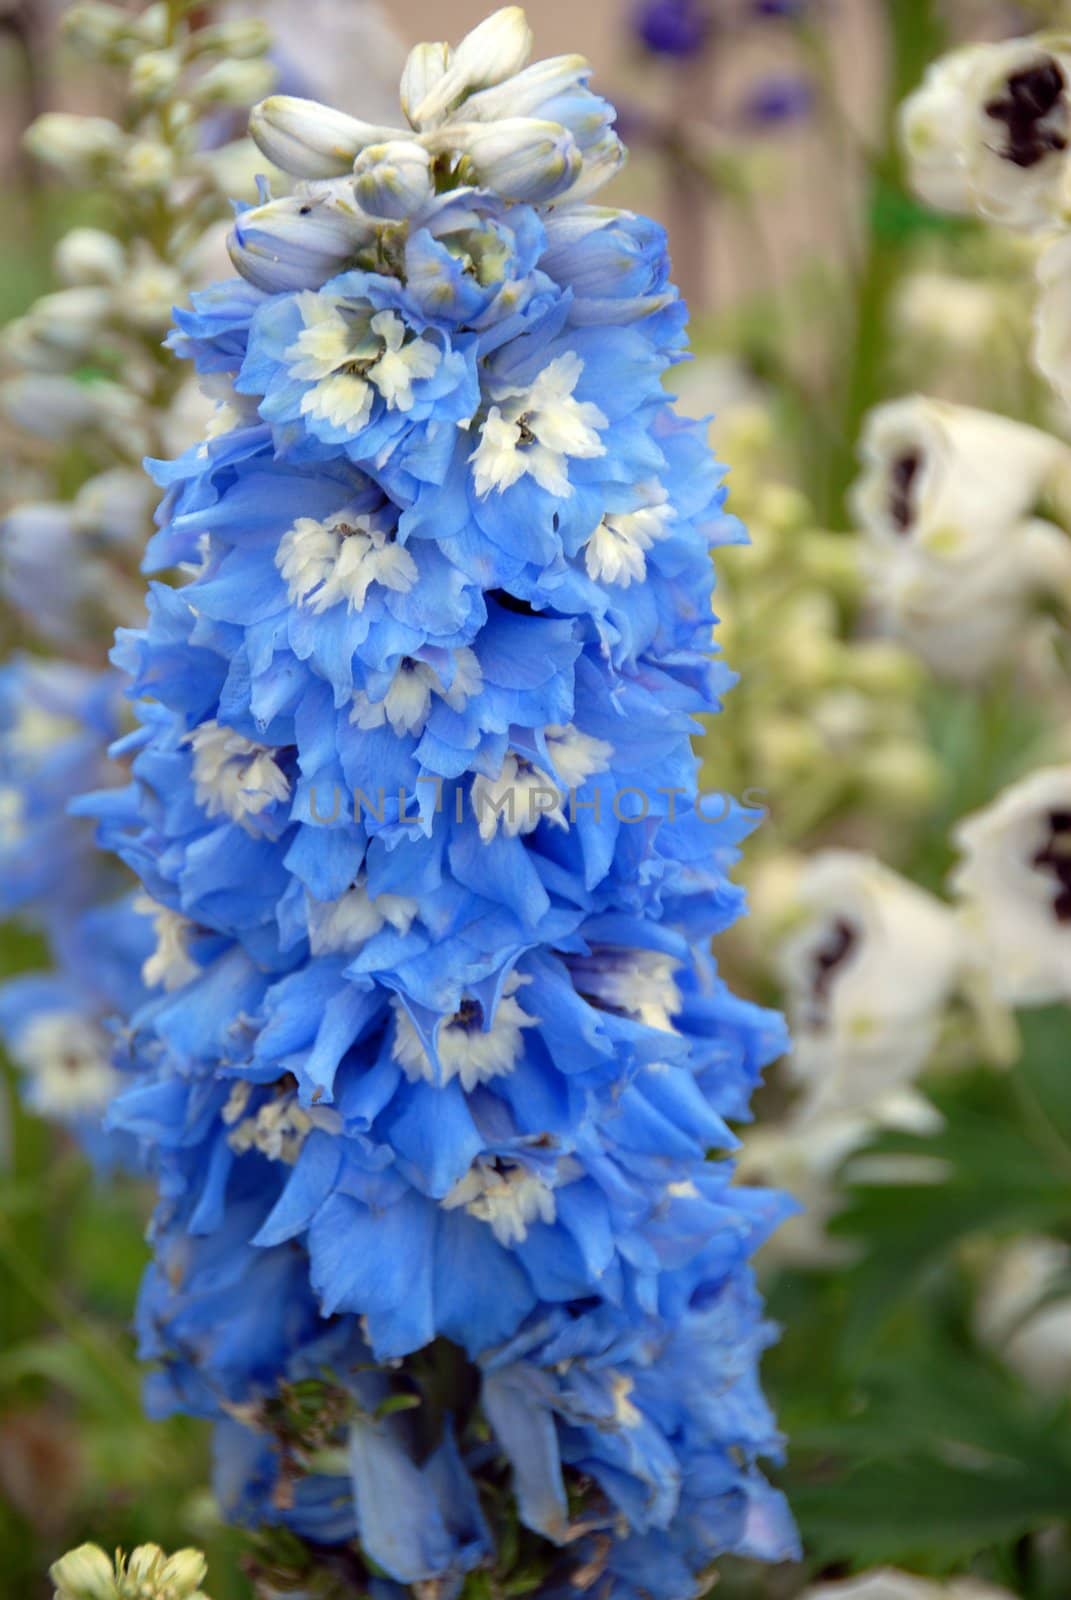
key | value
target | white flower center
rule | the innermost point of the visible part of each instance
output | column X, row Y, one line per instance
column 537, row 430
column 408, row 699
column 465, row 1048
column 576, row 756
column 278, row 1128
column 637, row 983
column 616, row 551
column 67, row 1056
column 518, row 798
column 350, row 356
column 170, row 964
column 232, row 775
column 504, row 1194
column 323, row 563
column 345, row 923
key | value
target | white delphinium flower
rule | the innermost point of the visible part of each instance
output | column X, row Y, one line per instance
column 323, row 563
column 888, row 1584
column 989, row 130
column 1024, row 1312
column 1015, row 886
column 469, row 1046
column 950, row 478
column 955, row 562
column 868, row 970
column 536, row 429
column 233, row 776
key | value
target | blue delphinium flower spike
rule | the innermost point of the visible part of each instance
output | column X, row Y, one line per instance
column 434, row 1058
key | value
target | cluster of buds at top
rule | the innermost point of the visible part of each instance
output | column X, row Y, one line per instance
column 478, row 115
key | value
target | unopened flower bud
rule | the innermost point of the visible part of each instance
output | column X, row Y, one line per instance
column 519, row 157
column 148, row 166
column 89, row 255
column 154, row 74
column 97, row 29
column 493, row 52
column 84, row 1574
column 235, row 83
column 152, row 26
column 150, row 293
column 526, row 94
column 393, row 180
column 310, row 140
column 300, row 241
column 238, row 40
column 426, row 64
column 79, row 147
column 58, row 408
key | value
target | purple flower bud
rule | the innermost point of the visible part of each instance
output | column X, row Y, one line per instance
column 673, row 27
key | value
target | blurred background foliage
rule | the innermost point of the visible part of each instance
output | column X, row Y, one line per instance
column 911, row 1441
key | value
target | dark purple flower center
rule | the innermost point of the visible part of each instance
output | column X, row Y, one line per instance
column 1027, row 111
column 1055, row 858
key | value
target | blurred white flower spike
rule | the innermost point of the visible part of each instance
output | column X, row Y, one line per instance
column 1015, row 885
column 954, row 557
column 988, row 132
column 869, row 969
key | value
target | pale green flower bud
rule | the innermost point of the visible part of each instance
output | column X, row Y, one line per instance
column 310, row 140
column 235, row 83
column 239, row 40
column 426, row 65
column 64, row 324
column 150, row 293
column 97, row 29
column 154, row 74
column 493, row 52
column 84, row 1574
column 89, row 255
column 151, row 27
column 79, row 147
column 520, row 158
column 393, row 180
column 148, row 167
